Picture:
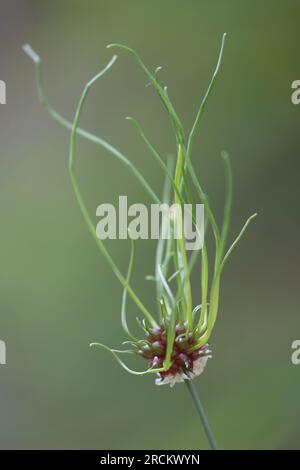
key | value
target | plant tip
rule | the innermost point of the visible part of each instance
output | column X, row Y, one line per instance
column 31, row 53
column 224, row 154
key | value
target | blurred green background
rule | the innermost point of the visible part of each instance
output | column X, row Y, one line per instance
column 57, row 293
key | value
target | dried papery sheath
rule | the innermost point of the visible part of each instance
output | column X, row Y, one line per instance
column 173, row 341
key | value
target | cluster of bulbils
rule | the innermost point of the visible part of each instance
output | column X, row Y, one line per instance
column 187, row 361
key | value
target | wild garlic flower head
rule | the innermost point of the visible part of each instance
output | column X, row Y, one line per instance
column 187, row 360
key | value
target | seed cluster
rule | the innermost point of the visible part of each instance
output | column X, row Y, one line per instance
column 183, row 356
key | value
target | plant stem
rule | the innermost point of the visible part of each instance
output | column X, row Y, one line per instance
column 200, row 410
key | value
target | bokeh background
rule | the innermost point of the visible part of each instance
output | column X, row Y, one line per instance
column 58, row 294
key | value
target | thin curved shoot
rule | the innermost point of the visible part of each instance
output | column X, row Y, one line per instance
column 124, row 296
column 160, row 91
column 72, row 154
column 238, row 238
column 81, row 132
column 204, row 101
column 115, row 353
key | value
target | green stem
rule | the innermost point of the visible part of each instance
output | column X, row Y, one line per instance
column 200, row 410
column 187, row 304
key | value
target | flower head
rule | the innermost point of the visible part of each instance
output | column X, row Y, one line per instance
column 187, row 360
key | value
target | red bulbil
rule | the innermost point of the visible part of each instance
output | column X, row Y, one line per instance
column 158, row 347
column 154, row 334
